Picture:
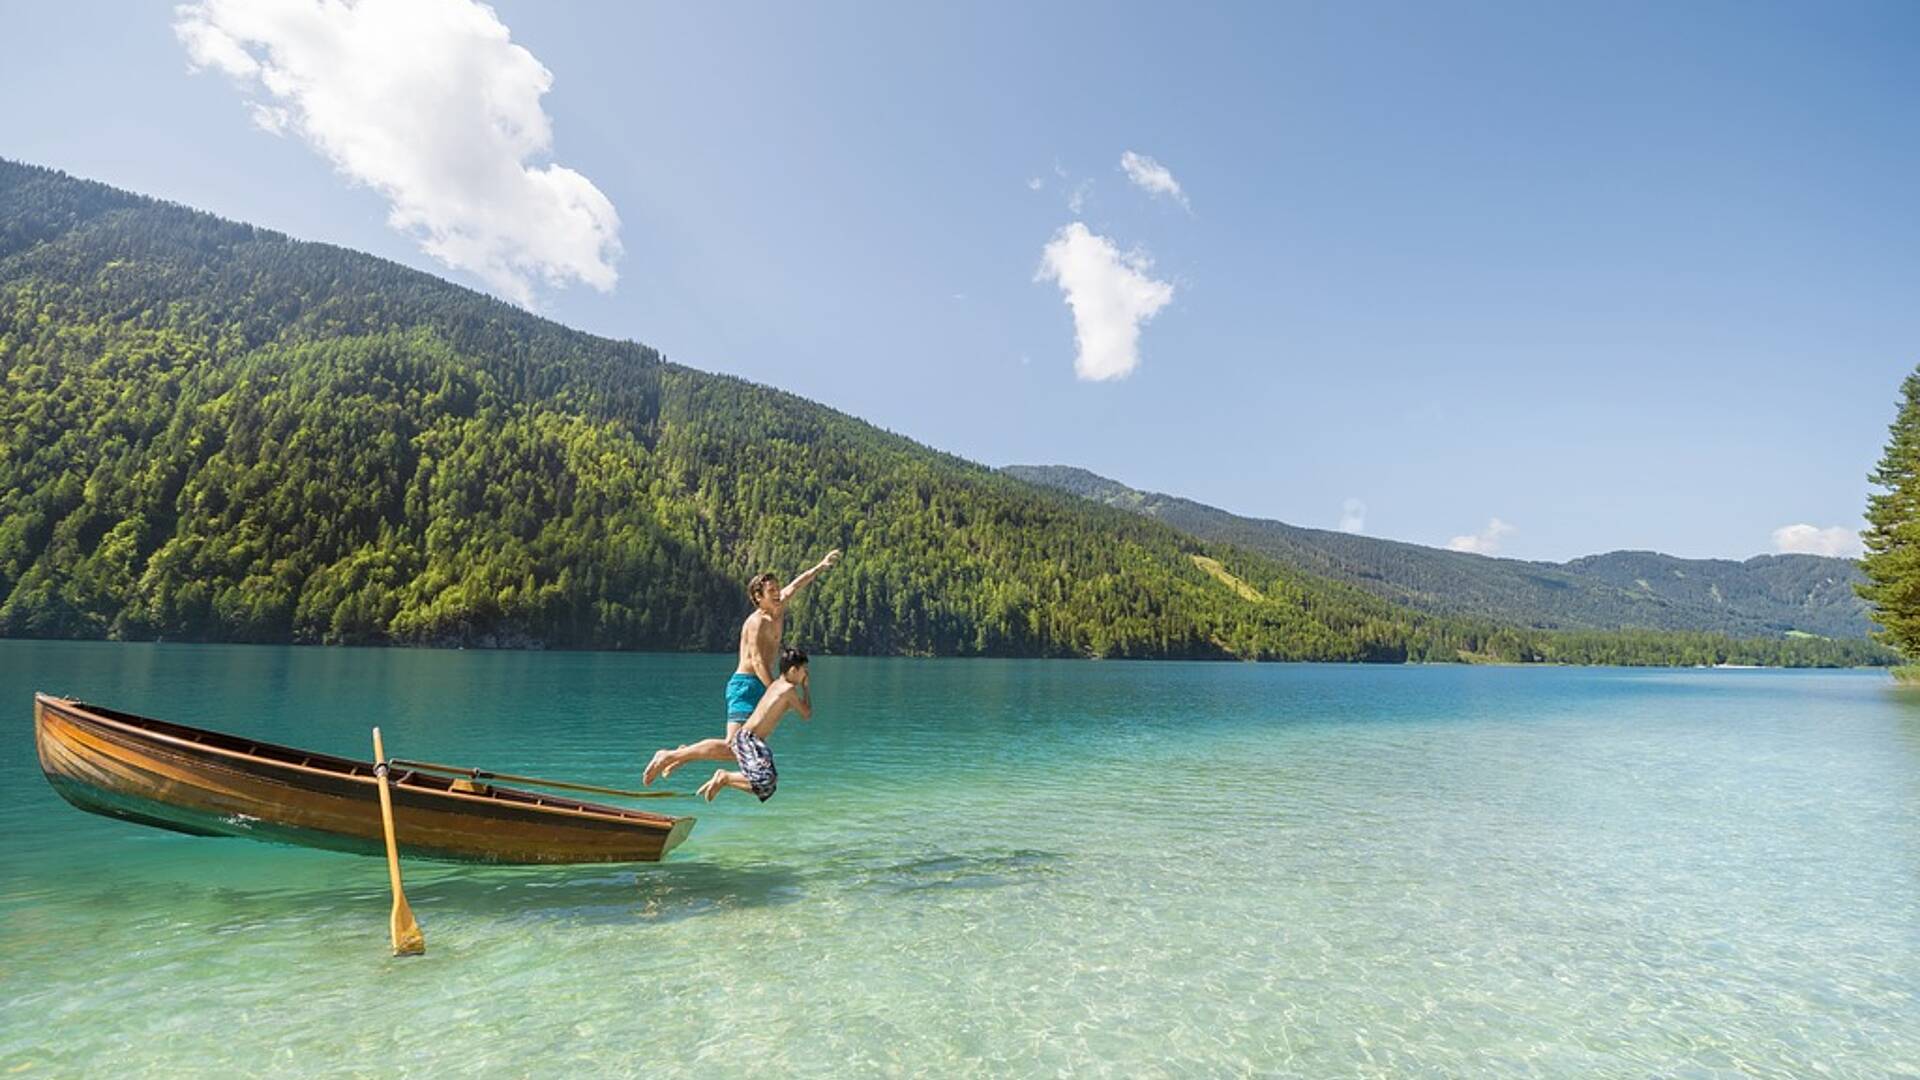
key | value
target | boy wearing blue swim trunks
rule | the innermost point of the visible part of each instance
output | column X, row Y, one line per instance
column 759, row 649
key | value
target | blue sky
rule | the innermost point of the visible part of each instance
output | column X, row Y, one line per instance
column 1623, row 276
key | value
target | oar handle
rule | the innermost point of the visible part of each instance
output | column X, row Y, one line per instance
column 511, row 778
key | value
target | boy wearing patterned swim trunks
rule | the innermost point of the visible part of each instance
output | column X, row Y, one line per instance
column 759, row 647
column 757, row 775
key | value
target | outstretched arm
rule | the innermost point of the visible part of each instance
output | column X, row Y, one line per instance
column 800, row 582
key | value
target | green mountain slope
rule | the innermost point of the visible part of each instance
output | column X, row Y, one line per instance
column 1803, row 593
column 213, row 432
column 1768, row 595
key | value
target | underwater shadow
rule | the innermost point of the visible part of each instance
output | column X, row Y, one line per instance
column 582, row 894
column 944, row 870
column 640, row 895
column 656, row 894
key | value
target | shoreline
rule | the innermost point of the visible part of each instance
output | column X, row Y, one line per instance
column 1905, row 675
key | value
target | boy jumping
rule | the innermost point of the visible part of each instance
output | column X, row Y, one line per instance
column 759, row 647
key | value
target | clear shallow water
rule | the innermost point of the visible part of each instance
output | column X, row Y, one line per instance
column 1011, row 868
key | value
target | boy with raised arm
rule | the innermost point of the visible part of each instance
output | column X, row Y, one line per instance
column 749, row 743
column 759, row 648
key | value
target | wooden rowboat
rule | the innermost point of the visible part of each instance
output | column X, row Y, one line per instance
column 208, row 784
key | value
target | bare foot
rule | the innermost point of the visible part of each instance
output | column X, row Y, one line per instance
column 653, row 768
column 712, row 787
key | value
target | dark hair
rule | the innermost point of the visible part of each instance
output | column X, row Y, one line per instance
column 791, row 658
column 758, row 584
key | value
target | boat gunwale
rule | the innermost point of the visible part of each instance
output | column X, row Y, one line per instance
column 407, row 782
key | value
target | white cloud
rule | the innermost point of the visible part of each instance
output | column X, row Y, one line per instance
column 1353, row 516
column 1485, row 542
column 1077, row 198
column 1152, row 177
column 1111, row 295
column 269, row 118
column 1836, row 540
column 430, row 103
column 1035, row 183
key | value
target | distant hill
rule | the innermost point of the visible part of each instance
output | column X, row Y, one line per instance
column 1767, row 595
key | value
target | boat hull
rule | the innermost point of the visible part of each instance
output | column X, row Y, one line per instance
column 208, row 784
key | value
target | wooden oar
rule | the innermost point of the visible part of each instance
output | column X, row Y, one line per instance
column 407, row 938
column 482, row 774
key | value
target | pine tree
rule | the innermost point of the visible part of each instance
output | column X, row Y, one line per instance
column 1892, row 563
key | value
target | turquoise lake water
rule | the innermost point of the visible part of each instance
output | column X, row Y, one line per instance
column 1016, row 868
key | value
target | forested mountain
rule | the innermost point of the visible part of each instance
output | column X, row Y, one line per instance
column 212, row 432
column 1768, row 595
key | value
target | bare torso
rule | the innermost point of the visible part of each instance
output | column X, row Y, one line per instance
column 760, row 646
column 781, row 697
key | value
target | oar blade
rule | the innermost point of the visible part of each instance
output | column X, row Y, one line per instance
column 407, row 938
